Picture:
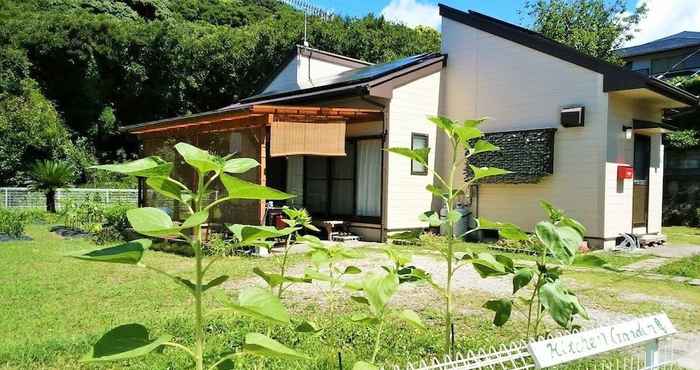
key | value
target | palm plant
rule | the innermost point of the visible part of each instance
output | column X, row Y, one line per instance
column 47, row 176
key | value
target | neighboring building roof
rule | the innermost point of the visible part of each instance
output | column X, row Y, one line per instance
column 681, row 40
column 615, row 78
column 353, row 82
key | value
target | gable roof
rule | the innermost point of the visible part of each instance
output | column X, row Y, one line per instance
column 681, row 40
column 615, row 78
column 353, row 78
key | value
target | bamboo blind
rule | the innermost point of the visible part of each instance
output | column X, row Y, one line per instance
column 295, row 138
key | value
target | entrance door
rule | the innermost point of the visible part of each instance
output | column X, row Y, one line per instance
column 640, row 191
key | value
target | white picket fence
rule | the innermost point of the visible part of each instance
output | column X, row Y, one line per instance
column 25, row 198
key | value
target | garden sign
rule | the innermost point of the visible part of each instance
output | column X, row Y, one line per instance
column 568, row 348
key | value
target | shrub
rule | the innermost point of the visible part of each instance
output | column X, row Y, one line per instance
column 86, row 215
column 115, row 216
column 38, row 216
column 11, row 223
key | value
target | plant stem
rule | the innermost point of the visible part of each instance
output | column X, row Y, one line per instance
column 199, row 275
column 284, row 265
column 377, row 340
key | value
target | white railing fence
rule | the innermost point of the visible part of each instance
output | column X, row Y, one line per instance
column 629, row 345
column 26, row 198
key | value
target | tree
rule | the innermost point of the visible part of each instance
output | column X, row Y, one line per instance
column 594, row 27
column 48, row 176
column 687, row 120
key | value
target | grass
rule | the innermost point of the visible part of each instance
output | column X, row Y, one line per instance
column 54, row 308
column 682, row 235
column 686, row 267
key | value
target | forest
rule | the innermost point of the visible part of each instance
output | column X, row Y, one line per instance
column 73, row 71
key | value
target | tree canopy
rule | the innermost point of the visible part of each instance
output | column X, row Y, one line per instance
column 74, row 71
column 595, row 27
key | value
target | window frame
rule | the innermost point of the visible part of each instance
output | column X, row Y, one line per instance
column 427, row 145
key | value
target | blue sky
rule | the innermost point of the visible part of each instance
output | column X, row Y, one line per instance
column 665, row 17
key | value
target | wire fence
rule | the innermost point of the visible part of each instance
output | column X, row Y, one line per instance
column 26, row 198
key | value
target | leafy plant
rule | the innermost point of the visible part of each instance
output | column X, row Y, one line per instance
column 249, row 235
column 85, row 215
column 133, row 340
column 561, row 237
column 12, row 223
column 326, row 260
column 463, row 137
column 48, row 176
column 378, row 289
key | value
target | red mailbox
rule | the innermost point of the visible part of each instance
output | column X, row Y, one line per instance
column 625, row 172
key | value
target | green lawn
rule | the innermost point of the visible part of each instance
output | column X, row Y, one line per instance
column 686, row 267
column 682, row 235
column 53, row 308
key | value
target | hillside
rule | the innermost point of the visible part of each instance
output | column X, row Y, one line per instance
column 73, row 71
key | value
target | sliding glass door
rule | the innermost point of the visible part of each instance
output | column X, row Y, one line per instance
column 345, row 187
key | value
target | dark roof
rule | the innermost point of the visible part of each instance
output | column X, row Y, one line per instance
column 348, row 83
column 615, row 78
column 350, row 78
column 681, row 40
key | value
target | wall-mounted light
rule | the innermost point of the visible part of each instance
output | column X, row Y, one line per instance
column 628, row 132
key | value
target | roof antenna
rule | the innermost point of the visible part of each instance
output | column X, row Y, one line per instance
column 309, row 9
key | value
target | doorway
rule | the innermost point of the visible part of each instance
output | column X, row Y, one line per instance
column 640, row 189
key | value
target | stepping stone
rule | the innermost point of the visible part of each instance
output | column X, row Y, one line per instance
column 694, row 282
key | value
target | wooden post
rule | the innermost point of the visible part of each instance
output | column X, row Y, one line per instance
column 262, row 158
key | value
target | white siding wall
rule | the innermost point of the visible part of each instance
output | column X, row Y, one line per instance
column 409, row 108
column 521, row 88
column 302, row 71
column 618, row 194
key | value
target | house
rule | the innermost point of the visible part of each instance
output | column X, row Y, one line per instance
column 319, row 126
column 675, row 55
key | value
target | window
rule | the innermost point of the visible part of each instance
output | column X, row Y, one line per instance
column 418, row 141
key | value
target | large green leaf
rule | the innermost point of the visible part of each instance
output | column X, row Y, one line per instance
column 483, row 146
column 240, row 165
column 502, row 307
column 361, row 365
column 199, row 159
column 487, row 265
column 253, row 233
column 261, row 345
column 152, row 222
column 562, row 241
column 145, row 167
column 215, row 282
column 241, row 189
column 466, row 133
column 379, row 288
column 522, row 277
column 412, row 318
column 483, row 172
column 418, row 155
column 261, row 304
column 166, row 187
column 124, row 342
column 128, row 253
column 560, row 303
column 445, row 124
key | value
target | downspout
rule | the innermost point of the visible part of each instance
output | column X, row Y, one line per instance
column 363, row 96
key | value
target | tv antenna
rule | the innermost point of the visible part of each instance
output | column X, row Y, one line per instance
column 309, row 9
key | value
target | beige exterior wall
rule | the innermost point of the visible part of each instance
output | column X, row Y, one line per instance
column 409, row 108
column 620, row 151
column 301, row 72
column 521, row 88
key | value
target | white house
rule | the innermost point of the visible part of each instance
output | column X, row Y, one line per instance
column 319, row 126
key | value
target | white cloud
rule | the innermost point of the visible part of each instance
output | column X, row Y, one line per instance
column 665, row 18
column 412, row 13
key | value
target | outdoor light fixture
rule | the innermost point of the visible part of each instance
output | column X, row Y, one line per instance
column 628, row 132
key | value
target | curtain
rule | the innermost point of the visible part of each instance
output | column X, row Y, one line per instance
column 295, row 180
column 369, row 177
